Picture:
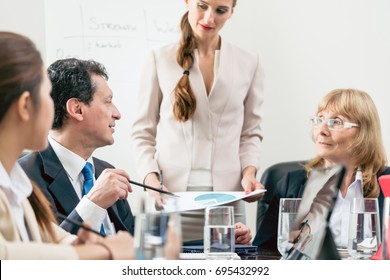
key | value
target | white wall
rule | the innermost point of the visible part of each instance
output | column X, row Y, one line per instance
column 308, row 48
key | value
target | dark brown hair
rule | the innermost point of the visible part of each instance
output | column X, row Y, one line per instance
column 43, row 212
column 185, row 102
column 21, row 68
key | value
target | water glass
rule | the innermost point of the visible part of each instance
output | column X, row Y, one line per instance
column 150, row 235
column 386, row 229
column 364, row 228
column 157, row 235
column 288, row 209
column 219, row 237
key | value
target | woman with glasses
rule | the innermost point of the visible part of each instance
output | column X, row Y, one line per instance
column 346, row 131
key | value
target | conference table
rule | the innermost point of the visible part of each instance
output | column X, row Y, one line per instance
column 261, row 254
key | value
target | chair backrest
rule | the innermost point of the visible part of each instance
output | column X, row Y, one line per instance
column 269, row 179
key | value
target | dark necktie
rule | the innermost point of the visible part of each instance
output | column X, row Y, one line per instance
column 88, row 183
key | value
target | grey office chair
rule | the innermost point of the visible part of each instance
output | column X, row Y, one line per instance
column 269, row 179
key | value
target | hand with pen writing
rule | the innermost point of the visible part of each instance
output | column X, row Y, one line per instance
column 113, row 247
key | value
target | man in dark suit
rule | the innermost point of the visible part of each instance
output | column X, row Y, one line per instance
column 84, row 121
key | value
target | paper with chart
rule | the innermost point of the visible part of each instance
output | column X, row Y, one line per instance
column 200, row 200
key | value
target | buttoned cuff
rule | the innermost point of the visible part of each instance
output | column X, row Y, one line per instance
column 91, row 213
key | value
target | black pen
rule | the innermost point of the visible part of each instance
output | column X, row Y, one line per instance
column 300, row 231
column 151, row 188
column 298, row 237
column 161, row 180
column 77, row 223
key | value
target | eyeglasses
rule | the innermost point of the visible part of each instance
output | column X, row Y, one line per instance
column 333, row 124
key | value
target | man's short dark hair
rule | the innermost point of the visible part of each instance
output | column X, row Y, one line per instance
column 71, row 78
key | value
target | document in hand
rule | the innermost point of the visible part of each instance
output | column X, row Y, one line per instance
column 200, row 200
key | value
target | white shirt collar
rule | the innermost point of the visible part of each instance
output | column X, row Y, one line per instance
column 17, row 187
column 339, row 221
column 16, row 184
column 355, row 190
column 72, row 163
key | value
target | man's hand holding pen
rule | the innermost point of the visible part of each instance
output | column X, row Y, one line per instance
column 111, row 186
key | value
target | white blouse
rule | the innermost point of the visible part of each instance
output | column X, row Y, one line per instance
column 17, row 187
column 339, row 221
column 200, row 174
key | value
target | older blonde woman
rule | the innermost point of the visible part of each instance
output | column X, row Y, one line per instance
column 347, row 131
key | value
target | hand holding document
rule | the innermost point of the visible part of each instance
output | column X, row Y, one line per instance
column 200, row 200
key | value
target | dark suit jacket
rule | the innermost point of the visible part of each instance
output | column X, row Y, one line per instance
column 46, row 170
column 291, row 185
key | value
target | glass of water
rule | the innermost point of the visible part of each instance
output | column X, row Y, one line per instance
column 151, row 235
column 219, row 237
column 157, row 234
column 386, row 229
column 364, row 228
column 288, row 209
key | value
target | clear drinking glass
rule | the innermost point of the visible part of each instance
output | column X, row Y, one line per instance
column 219, row 238
column 386, row 229
column 364, row 228
column 150, row 235
column 151, row 232
column 288, row 209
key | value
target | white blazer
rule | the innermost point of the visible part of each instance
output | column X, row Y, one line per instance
column 41, row 247
column 229, row 117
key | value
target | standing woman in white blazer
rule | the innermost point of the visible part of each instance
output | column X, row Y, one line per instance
column 199, row 114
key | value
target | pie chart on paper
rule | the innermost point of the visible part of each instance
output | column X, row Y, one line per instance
column 214, row 198
column 188, row 201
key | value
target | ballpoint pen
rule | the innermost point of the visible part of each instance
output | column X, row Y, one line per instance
column 161, row 180
column 153, row 189
column 298, row 237
column 77, row 223
column 300, row 231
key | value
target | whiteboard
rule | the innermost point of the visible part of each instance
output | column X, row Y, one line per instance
column 118, row 34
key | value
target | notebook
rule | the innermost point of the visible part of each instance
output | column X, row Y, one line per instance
column 317, row 203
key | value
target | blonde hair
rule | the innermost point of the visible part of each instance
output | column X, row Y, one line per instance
column 367, row 148
column 184, row 104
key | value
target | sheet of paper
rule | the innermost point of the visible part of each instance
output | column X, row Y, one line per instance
column 200, row 200
column 200, row 256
